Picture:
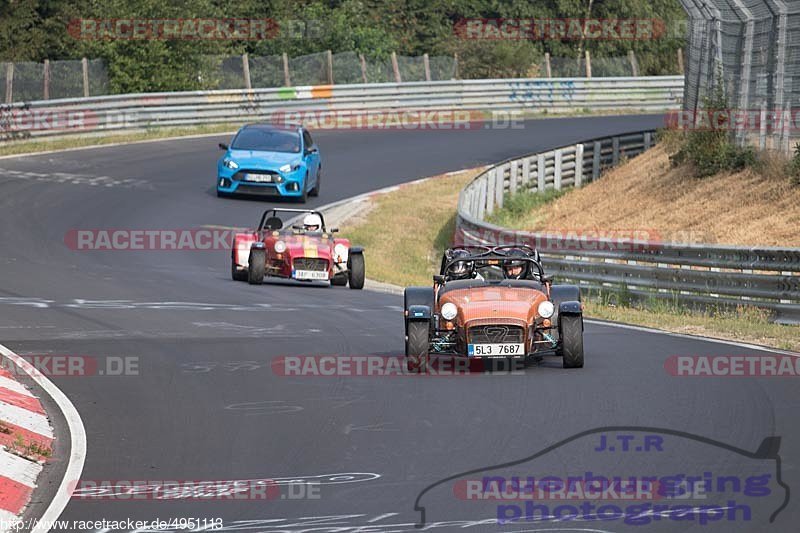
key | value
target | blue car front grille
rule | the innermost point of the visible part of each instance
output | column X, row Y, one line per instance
column 242, row 174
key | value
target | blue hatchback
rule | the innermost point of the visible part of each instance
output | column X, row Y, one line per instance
column 269, row 160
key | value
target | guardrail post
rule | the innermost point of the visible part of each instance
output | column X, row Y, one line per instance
column 490, row 188
column 512, row 181
column 85, row 68
column 246, row 72
column 329, row 64
column 596, row 153
column 473, row 204
column 578, row 165
column 526, row 172
column 500, row 187
column 287, row 80
column 540, row 173
column 648, row 140
column 547, row 68
column 557, row 170
column 46, row 76
column 680, row 61
column 482, row 198
column 615, row 154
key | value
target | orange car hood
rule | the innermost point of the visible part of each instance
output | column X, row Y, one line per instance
column 495, row 303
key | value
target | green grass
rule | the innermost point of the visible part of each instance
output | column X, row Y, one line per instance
column 522, row 205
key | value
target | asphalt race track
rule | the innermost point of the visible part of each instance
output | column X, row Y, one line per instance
column 207, row 405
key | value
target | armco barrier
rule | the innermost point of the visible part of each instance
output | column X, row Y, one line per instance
column 103, row 114
column 696, row 275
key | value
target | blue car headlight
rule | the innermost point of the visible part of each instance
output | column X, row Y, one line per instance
column 230, row 163
column 289, row 168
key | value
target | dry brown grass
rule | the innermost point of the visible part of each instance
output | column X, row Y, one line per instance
column 749, row 208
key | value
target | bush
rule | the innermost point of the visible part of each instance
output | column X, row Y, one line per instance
column 711, row 151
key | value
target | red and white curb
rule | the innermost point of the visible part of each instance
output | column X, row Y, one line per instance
column 27, row 440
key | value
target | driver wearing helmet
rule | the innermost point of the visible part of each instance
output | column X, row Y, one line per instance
column 460, row 269
column 312, row 222
column 515, row 269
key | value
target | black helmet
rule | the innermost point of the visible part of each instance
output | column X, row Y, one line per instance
column 459, row 269
column 515, row 269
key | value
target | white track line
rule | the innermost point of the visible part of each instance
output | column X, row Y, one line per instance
column 693, row 337
column 77, row 435
column 114, row 145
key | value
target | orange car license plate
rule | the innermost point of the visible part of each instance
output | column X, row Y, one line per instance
column 495, row 350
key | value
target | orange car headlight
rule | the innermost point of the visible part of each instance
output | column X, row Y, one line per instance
column 546, row 309
column 449, row 311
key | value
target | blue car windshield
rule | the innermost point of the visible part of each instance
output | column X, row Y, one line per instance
column 265, row 140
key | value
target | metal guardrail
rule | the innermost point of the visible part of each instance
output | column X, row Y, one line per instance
column 104, row 114
column 697, row 275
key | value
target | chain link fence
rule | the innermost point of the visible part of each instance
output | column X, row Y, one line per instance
column 753, row 48
column 324, row 68
column 599, row 67
column 28, row 81
column 343, row 68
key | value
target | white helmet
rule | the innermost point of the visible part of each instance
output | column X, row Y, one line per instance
column 312, row 222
